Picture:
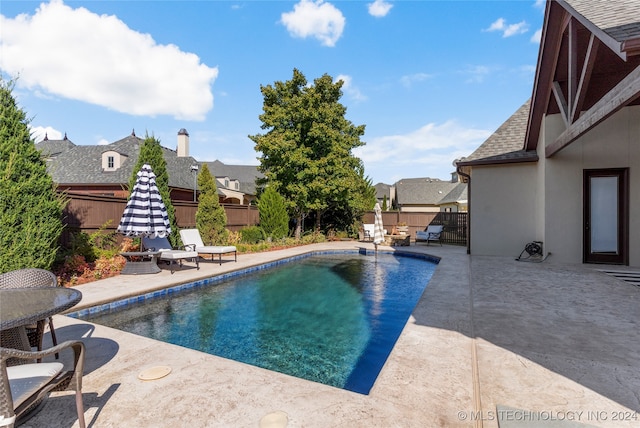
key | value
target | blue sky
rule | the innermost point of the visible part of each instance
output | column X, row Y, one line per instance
column 431, row 80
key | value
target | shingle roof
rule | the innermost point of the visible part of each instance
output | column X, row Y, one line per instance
column 620, row 19
column 457, row 194
column 383, row 190
column 423, row 191
column 245, row 174
column 508, row 138
column 83, row 164
column 52, row 148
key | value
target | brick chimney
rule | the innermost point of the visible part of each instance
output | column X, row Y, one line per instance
column 183, row 143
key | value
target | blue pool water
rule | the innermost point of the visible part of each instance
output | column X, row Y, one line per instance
column 329, row 318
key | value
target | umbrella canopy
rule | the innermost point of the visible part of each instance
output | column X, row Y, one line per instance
column 378, row 227
column 145, row 213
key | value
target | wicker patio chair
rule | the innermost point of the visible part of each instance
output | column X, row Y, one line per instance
column 24, row 386
column 32, row 277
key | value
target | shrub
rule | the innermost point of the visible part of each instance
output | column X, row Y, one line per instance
column 30, row 208
column 252, row 235
column 211, row 218
column 274, row 219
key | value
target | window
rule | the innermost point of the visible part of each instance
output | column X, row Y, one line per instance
column 111, row 162
column 237, row 186
column 226, row 183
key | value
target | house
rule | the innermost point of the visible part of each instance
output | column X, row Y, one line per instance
column 106, row 169
column 385, row 194
column 235, row 180
column 564, row 169
column 430, row 195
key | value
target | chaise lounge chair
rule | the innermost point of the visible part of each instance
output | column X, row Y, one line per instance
column 167, row 253
column 191, row 239
column 433, row 233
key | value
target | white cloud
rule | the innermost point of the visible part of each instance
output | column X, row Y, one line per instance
column 508, row 30
column 349, row 89
column 317, row 19
column 537, row 36
column 379, row 8
column 540, row 4
column 39, row 132
column 430, row 150
column 99, row 60
column 409, row 79
column 477, row 73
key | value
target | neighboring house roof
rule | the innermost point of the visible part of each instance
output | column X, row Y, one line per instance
column 83, row 164
column 383, row 190
column 53, row 148
column 71, row 164
column 245, row 174
column 458, row 195
column 423, row 191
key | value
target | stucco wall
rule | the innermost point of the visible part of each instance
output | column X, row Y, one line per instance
column 503, row 209
column 615, row 143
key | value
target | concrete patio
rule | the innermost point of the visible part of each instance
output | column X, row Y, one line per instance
column 492, row 342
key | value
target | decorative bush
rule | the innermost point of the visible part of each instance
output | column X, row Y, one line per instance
column 252, row 235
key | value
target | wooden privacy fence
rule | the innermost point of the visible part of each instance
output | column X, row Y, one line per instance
column 455, row 224
column 89, row 213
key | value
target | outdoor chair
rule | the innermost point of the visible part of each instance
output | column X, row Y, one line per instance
column 27, row 278
column 24, row 386
column 167, row 253
column 368, row 231
column 192, row 240
column 433, row 233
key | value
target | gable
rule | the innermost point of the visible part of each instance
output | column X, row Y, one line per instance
column 588, row 66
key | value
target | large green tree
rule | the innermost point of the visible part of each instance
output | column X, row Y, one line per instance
column 151, row 153
column 211, row 218
column 30, row 208
column 306, row 153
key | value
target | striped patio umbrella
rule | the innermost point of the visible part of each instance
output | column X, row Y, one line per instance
column 145, row 213
column 378, row 227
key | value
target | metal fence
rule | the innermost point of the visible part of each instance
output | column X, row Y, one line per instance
column 455, row 224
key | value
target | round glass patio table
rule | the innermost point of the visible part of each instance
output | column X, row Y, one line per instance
column 23, row 306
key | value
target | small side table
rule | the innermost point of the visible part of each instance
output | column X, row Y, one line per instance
column 140, row 262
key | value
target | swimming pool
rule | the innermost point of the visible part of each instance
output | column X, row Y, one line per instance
column 330, row 318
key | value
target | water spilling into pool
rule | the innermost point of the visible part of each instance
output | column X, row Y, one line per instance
column 330, row 318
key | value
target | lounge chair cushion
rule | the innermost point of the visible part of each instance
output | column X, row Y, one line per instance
column 216, row 249
column 27, row 379
column 177, row 254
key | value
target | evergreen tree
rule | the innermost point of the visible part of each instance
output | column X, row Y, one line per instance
column 211, row 218
column 274, row 219
column 306, row 152
column 384, row 203
column 30, row 208
column 151, row 153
